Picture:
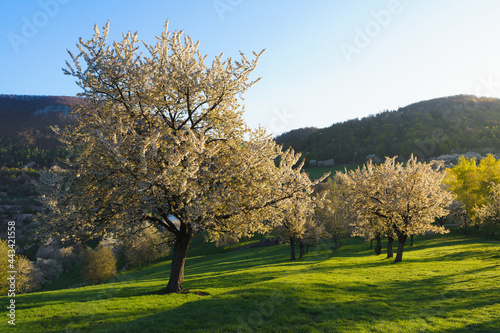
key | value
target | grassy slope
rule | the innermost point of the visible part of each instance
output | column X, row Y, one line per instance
column 444, row 284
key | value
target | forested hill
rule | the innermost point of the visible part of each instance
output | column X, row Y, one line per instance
column 455, row 124
column 25, row 134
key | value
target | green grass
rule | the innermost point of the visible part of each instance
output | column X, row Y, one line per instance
column 444, row 284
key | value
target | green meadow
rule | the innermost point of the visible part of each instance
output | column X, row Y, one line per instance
column 446, row 283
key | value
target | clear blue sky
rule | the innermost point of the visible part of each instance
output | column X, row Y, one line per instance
column 326, row 61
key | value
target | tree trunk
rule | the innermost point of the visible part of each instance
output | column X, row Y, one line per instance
column 371, row 244
column 401, row 244
column 337, row 242
column 302, row 249
column 378, row 248
column 390, row 253
column 411, row 240
column 181, row 246
column 466, row 225
column 292, row 248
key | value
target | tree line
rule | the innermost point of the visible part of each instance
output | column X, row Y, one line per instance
column 455, row 124
column 12, row 154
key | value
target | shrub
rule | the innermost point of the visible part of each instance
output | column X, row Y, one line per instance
column 99, row 264
column 227, row 239
column 67, row 257
column 145, row 247
column 45, row 271
column 49, row 250
column 4, row 267
column 24, row 277
column 23, row 267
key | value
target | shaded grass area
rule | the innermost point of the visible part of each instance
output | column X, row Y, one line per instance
column 444, row 284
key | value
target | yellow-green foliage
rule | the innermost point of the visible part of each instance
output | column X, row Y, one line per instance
column 4, row 266
column 23, row 268
column 26, row 279
column 471, row 183
column 99, row 264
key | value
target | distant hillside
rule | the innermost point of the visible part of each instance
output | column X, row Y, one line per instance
column 455, row 124
column 25, row 134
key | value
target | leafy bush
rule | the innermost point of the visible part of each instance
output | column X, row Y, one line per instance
column 24, row 277
column 99, row 264
column 67, row 257
column 45, row 271
column 49, row 251
column 145, row 247
column 4, row 266
column 23, row 267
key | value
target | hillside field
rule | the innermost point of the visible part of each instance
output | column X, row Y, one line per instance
column 444, row 284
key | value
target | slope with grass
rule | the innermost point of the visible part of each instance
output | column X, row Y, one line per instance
column 444, row 284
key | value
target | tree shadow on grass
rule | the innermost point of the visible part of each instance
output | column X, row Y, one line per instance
column 105, row 291
column 259, row 303
column 245, row 266
column 492, row 325
column 212, row 272
column 275, row 307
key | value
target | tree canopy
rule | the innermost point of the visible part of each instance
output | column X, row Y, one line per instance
column 489, row 213
column 163, row 135
column 472, row 184
column 396, row 198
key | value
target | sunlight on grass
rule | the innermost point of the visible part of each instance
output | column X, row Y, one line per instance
column 445, row 283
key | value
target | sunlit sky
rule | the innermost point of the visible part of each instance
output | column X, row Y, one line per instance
column 326, row 61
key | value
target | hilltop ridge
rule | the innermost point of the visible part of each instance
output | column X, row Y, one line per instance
column 427, row 129
column 25, row 133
